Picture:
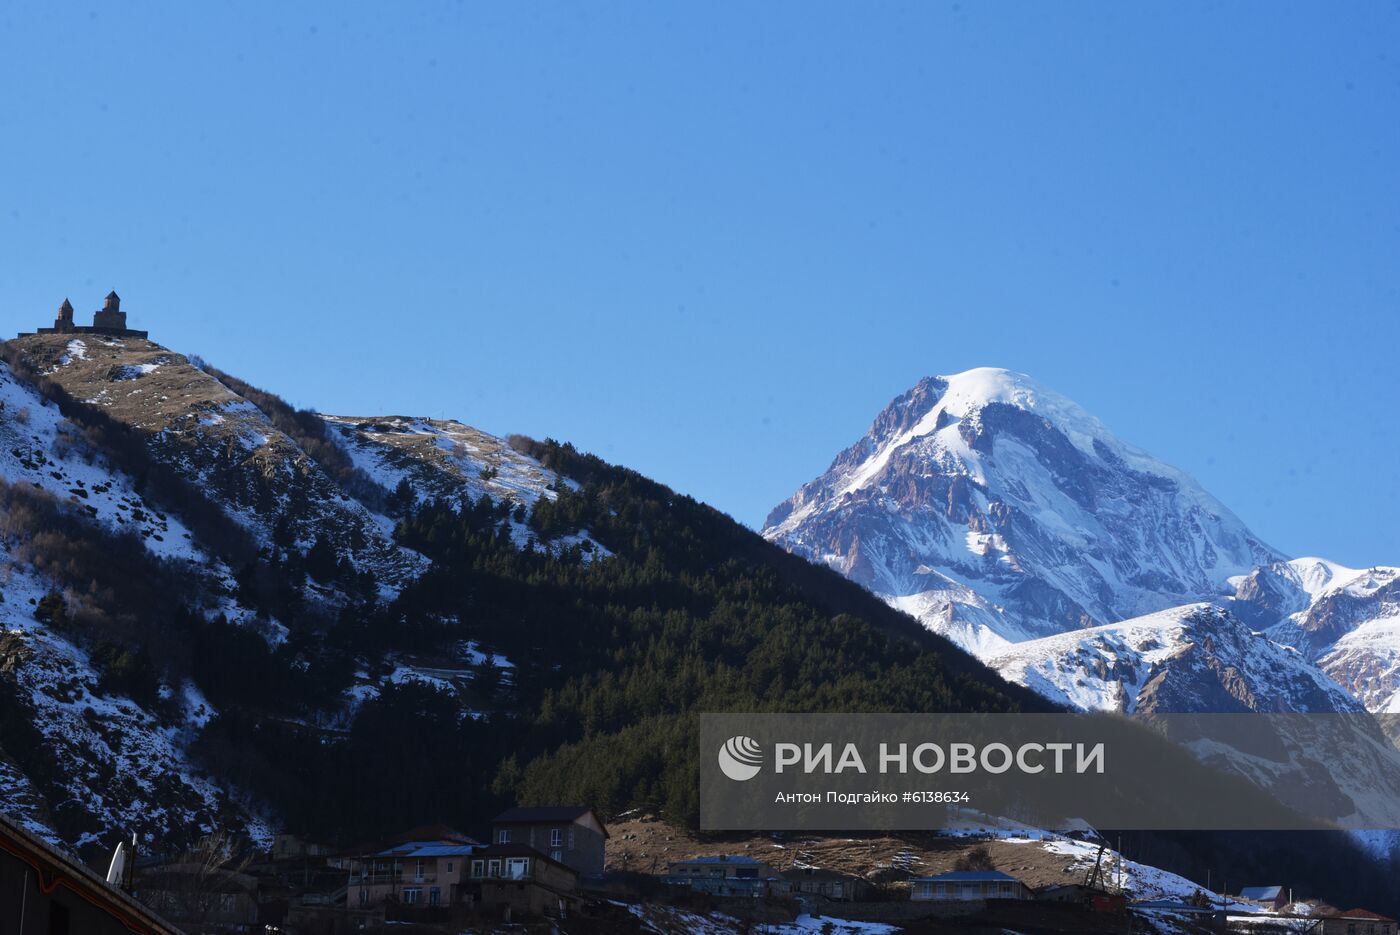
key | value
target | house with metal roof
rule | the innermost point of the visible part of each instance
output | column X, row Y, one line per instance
column 827, row 884
column 516, row 878
column 968, row 886
column 1275, row 897
column 723, row 875
column 413, row 873
column 572, row 835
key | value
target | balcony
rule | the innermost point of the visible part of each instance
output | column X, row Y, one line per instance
column 507, row 874
column 398, row 878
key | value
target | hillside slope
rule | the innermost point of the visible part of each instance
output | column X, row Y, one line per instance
column 298, row 600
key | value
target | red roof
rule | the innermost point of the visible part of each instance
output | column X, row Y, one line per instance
column 1362, row 914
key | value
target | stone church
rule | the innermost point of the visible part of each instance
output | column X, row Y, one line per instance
column 110, row 320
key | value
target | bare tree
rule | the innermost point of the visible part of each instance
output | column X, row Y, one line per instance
column 202, row 884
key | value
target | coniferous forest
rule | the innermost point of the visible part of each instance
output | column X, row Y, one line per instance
column 610, row 661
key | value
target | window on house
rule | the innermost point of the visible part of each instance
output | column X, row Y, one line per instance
column 556, row 854
column 411, row 895
column 571, row 839
column 418, row 870
column 493, row 869
column 518, row 868
column 556, row 837
column 503, row 836
column 478, row 866
column 449, row 866
column 434, row 896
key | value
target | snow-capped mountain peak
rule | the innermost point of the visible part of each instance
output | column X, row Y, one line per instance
column 996, row 511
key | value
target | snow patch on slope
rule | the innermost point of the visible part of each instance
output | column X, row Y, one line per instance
column 118, row 766
column 444, row 458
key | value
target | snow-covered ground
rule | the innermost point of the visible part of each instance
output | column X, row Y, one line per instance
column 119, row 766
column 670, row 920
column 1139, row 881
column 224, row 443
column 444, row 458
column 441, row 457
column 40, row 447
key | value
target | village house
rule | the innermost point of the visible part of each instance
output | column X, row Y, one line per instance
column 515, row 879
column 827, row 884
column 1274, row 897
column 1356, row 922
column 724, row 875
column 571, row 835
column 968, row 886
column 49, row 893
column 292, row 847
column 414, row 873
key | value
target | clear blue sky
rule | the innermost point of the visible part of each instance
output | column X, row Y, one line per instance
column 711, row 241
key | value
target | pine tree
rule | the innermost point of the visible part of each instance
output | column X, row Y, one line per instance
column 321, row 560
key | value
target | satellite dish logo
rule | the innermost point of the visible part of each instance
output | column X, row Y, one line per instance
column 740, row 758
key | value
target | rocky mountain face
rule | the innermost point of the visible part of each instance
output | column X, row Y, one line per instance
column 1345, row 620
column 1187, row 660
column 996, row 511
column 1201, row 659
column 1005, row 517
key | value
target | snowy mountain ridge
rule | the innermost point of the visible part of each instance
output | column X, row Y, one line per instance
column 1346, row 620
column 1006, row 517
column 997, row 511
column 1192, row 659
